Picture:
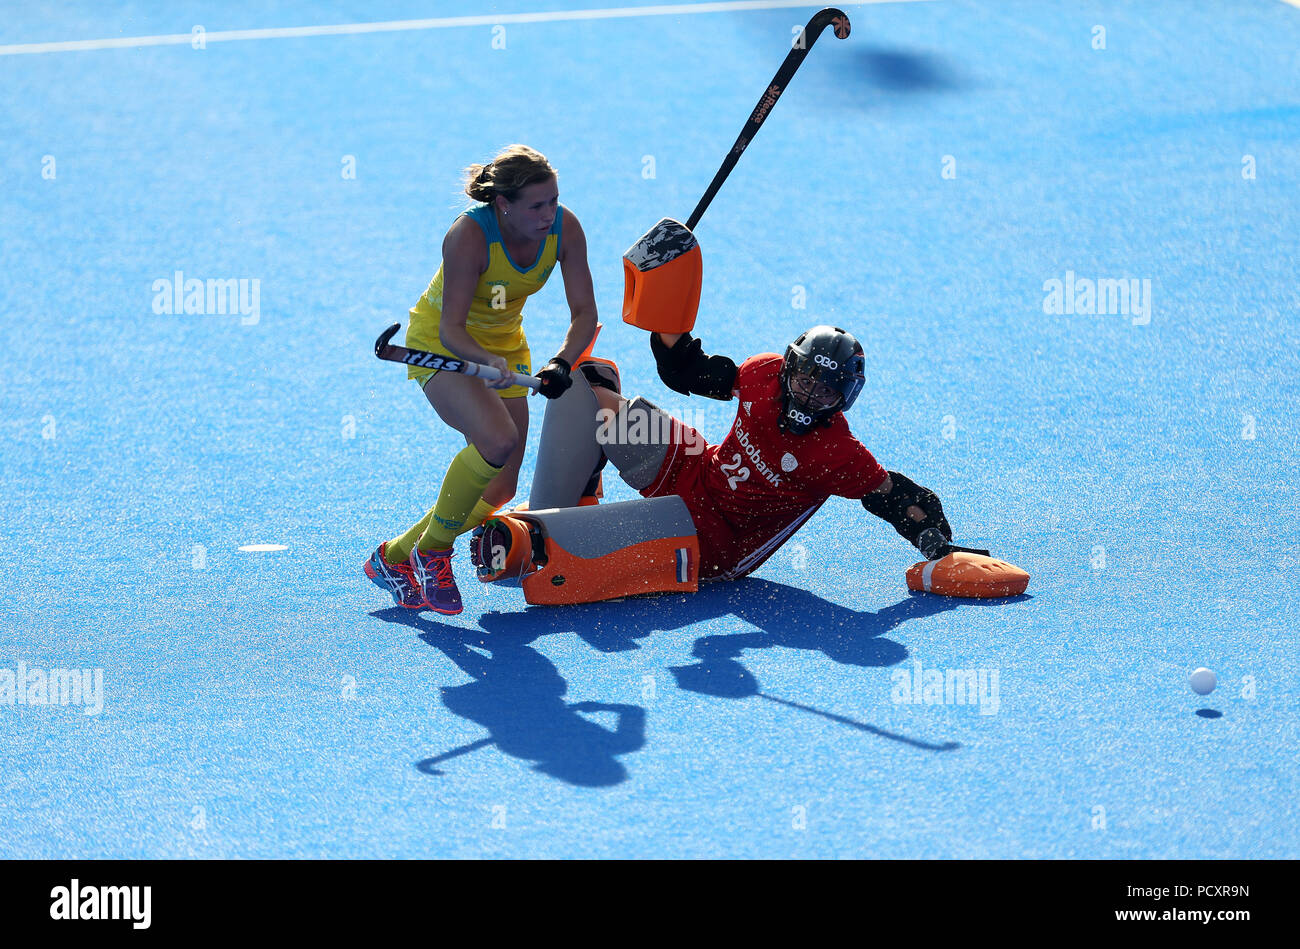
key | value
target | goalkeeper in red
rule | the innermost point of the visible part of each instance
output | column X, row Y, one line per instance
column 788, row 450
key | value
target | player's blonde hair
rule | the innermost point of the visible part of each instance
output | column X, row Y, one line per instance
column 514, row 168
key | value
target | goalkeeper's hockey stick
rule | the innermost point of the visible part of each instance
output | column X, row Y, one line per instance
column 427, row 360
column 934, row 546
column 793, row 60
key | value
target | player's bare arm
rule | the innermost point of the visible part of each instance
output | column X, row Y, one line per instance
column 578, row 290
column 464, row 259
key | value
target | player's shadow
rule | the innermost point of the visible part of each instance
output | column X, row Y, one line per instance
column 790, row 618
column 517, row 694
column 784, row 616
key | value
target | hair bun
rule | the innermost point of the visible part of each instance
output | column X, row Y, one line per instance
column 513, row 169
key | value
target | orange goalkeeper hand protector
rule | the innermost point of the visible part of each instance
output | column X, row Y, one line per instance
column 967, row 574
column 662, row 276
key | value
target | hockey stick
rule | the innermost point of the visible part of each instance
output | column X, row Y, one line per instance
column 954, row 549
column 662, row 271
column 793, row 60
column 934, row 546
column 427, row 360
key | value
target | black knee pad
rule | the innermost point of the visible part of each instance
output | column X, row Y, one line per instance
column 603, row 374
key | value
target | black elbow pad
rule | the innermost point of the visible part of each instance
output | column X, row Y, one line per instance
column 685, row 368
column 892, row 507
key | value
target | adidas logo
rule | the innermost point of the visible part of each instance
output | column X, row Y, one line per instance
column 747, row 406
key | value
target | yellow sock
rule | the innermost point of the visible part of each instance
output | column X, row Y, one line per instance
column 482, row 511
column 462, row 489
column 398, row 550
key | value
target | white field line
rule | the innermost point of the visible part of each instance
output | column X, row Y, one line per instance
column 397, row 26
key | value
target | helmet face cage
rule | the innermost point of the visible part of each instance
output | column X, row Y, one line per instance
column 828, row 355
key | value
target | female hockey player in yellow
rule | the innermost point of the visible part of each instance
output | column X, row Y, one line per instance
column 494, row 257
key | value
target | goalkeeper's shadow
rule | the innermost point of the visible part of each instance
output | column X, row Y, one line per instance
column 782, row 616
column 785, row 616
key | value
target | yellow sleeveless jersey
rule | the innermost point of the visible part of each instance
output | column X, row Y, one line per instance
column 496, row 311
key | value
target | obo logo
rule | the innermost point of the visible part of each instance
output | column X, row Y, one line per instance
column 826, row 361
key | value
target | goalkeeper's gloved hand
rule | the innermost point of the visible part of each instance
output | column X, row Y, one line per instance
column 555, row 378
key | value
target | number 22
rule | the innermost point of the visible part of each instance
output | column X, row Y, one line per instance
column 738, row 476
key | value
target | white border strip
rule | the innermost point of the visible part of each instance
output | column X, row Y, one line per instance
column 396, row 26
column 927, row 573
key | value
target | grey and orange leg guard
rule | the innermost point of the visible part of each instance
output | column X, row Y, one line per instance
column 569, row 460
column 560, row 552
column 587, row 554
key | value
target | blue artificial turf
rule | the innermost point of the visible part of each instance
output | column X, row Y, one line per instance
column 275, row 704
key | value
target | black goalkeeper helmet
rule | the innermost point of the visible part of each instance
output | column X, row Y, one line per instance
column 834, row 360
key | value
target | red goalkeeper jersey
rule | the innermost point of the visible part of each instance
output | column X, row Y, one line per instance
column 750, row 494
